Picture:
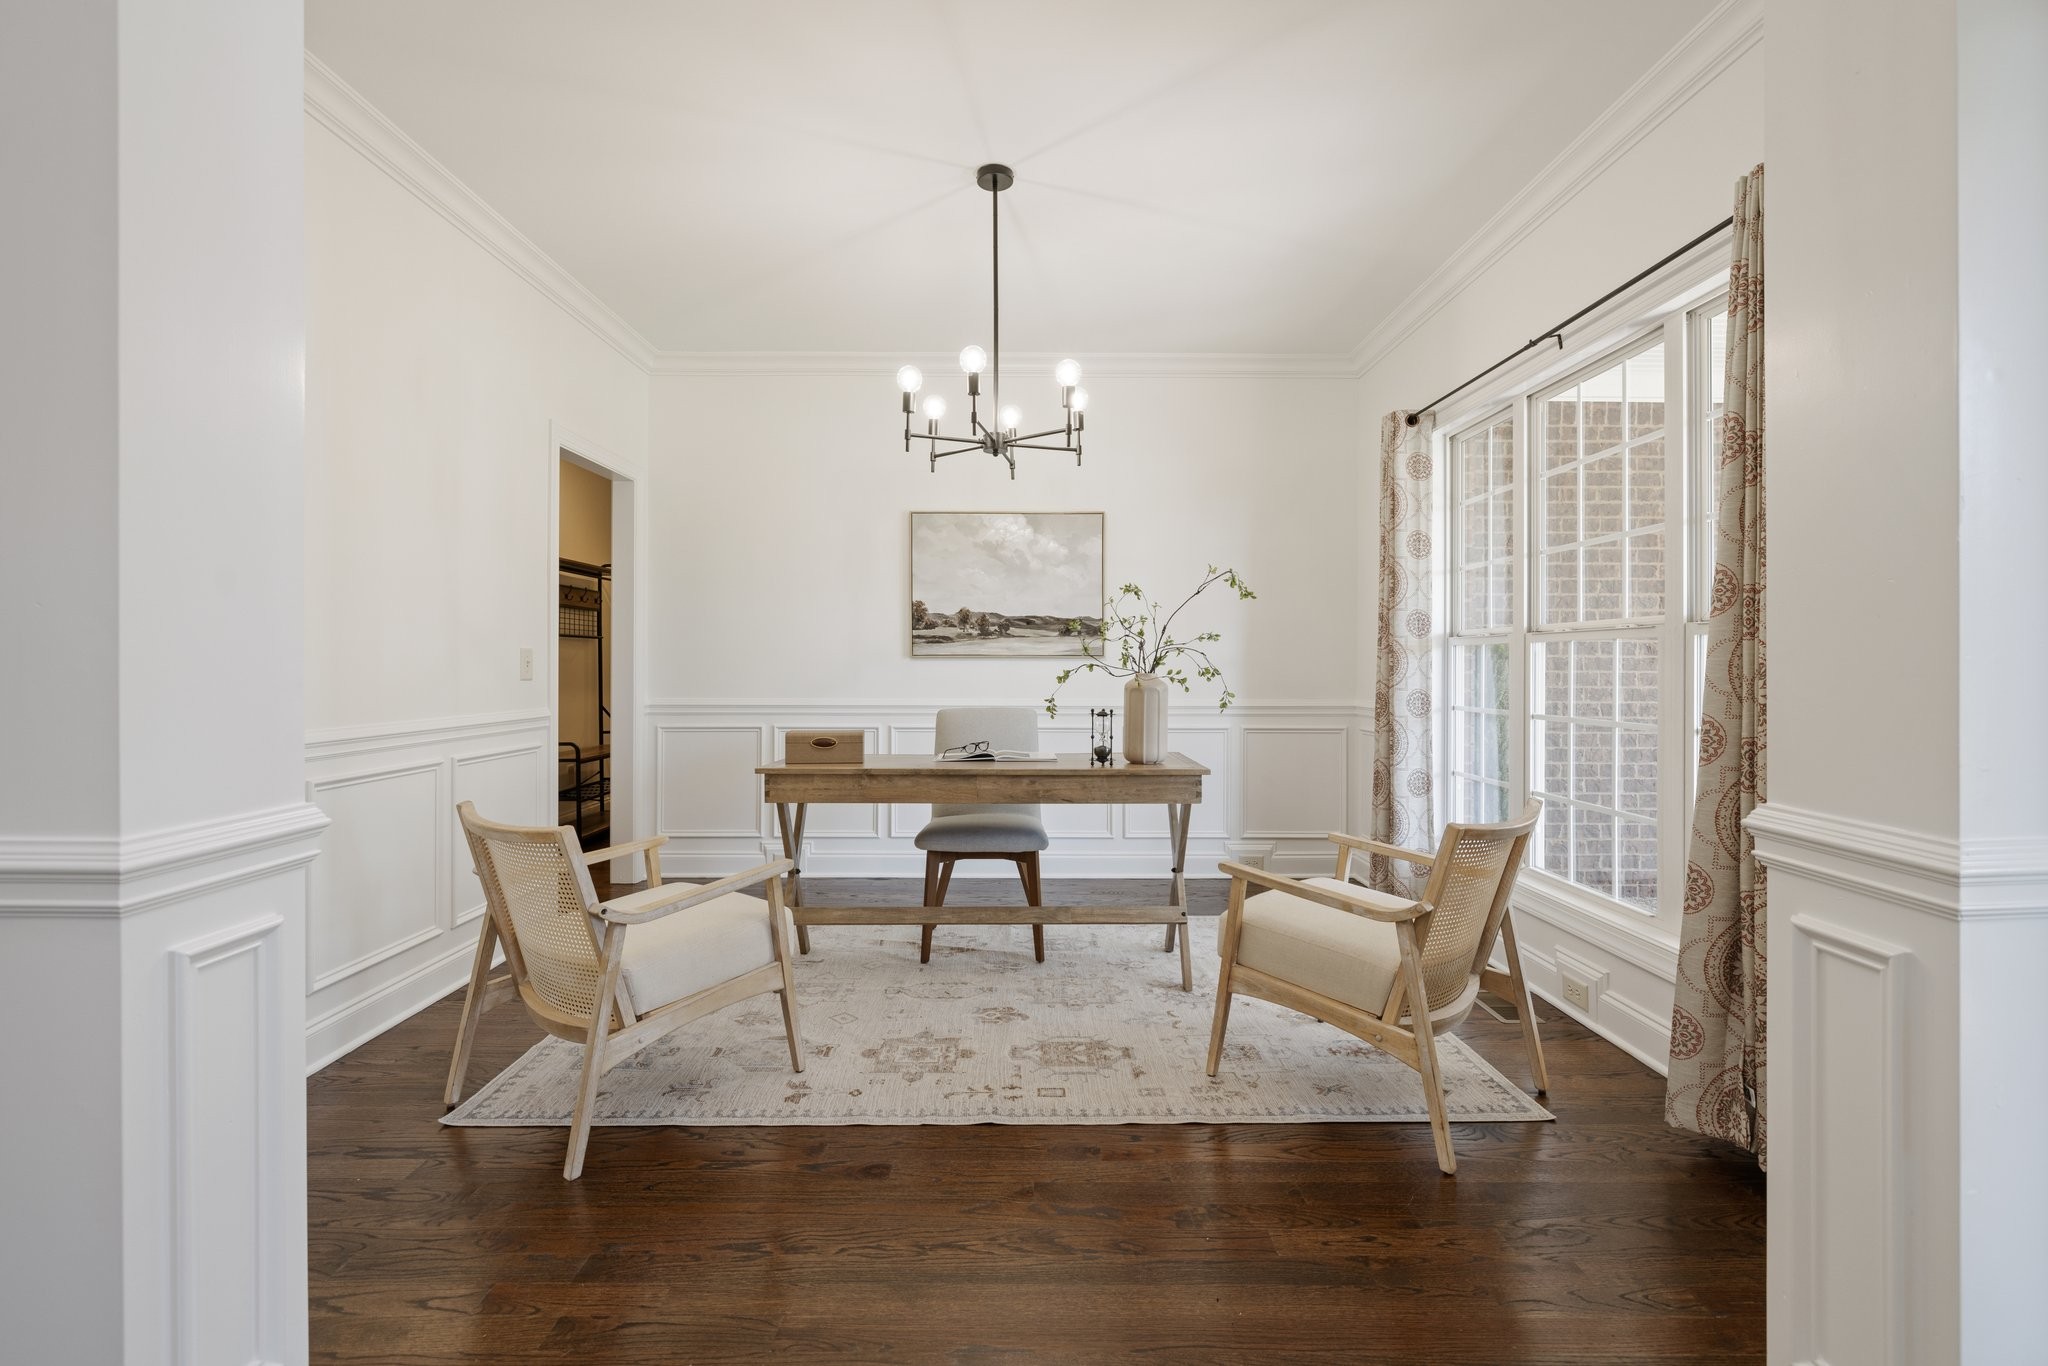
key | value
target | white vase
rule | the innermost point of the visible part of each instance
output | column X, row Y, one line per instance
column 1145, row 719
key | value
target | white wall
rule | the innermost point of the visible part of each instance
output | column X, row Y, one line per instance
column 153, row 841
column 1907, row 202
column 1659, row 170
column 442, row 375
column 782, row 589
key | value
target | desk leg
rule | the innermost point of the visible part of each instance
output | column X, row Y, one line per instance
column 792, row 849
column 1178, row 818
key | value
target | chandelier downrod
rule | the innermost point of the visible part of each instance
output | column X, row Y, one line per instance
column 1001, row 440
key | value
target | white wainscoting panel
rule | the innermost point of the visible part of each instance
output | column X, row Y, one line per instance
column 507, row 785
column 395, row 904
column 378, row 891
column 704, row 780
column 229, row 1193
column 1850, row 1075
column 1869, row 1060
column 711, row 805
column 1296, row 781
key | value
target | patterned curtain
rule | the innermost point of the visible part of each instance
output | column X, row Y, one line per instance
column 1717, row 1025
column 1403, row 802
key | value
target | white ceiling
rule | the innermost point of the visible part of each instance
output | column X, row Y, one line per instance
column 1192, row 175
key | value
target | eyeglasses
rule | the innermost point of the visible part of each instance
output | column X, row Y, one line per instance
column 971, row 747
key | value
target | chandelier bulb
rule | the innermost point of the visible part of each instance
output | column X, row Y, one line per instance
column 909, row 379
column 1010, row 418
column 1079, row 401
column 973, row 360
column 1068, row 373
column 935, row 407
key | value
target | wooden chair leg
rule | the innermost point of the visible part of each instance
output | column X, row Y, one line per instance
column 472, row 1010
column 1226, row 949
column 1027, row 872
column 1425, row 1049
column 931, row 898
column 779, row 921
column 1525, row 1005
column 935, row 897
column 593, row 1053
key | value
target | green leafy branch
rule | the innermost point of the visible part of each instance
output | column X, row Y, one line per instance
column 1145, row 644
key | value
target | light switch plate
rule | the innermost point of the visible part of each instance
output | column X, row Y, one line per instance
column 526, row 664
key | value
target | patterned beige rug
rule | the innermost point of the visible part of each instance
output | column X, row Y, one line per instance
column 1100, row 1033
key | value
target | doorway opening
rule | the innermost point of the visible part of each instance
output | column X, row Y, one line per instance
column 585, row 611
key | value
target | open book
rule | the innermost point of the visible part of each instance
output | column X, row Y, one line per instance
column 1008, row 756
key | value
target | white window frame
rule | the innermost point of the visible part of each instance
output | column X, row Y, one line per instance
column 1669, row 307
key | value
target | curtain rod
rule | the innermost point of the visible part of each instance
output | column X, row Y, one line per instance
column 1558, row 331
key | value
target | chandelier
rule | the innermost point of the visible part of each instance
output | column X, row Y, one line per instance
column 1003, row 440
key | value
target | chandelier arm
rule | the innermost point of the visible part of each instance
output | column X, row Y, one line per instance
column 1028, row 446
column 1033, row 436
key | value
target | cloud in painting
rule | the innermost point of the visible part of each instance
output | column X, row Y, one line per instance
column 1015, row 563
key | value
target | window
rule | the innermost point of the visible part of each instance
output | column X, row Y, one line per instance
column 1580, row 525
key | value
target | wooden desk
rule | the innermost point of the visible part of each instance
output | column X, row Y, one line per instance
column 1175, row 784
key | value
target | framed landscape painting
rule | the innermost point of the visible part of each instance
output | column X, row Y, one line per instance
column 1004, row 584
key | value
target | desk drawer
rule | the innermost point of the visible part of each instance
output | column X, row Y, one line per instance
column 824, row 747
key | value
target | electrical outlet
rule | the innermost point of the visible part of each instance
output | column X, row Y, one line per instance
column 526, row 664
column 1576, row 993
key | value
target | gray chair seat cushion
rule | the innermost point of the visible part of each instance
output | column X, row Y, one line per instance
column 983, row 832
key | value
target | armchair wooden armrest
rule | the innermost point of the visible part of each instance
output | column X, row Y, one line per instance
column 593, row 857
column 656, row 902
column 1393, row 851
column 1334, row 898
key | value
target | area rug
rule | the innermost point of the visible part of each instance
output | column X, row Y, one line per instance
column 1099, row 1033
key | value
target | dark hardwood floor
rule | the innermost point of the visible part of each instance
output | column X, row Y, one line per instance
column 1605, row 1237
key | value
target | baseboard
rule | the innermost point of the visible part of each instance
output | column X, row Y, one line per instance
column 346, row 1028
column 1615, row 1018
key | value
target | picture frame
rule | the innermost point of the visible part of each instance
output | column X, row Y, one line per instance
column 1022, row 579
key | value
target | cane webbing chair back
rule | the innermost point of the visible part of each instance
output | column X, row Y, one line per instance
column 540, row 893
column 1467, row 895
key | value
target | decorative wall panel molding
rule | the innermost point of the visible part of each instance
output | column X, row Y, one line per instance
column 1312, row 757
column 1840, row 1071
column 394, row 903
column 230, row 1197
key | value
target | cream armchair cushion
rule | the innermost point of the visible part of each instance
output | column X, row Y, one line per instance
column 682, row 954
column 1333, row 953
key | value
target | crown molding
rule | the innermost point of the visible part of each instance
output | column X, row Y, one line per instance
column 342, row 110
column 339, row 107
column 1112, row 365
column 1714, row 44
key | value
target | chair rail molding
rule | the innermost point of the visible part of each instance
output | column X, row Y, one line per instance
column 119, row 876
column 1937, row 875
column 708, row 800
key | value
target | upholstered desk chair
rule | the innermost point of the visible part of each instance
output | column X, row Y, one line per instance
column 1389, row 970
column 617, row 975
column 962, row 831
